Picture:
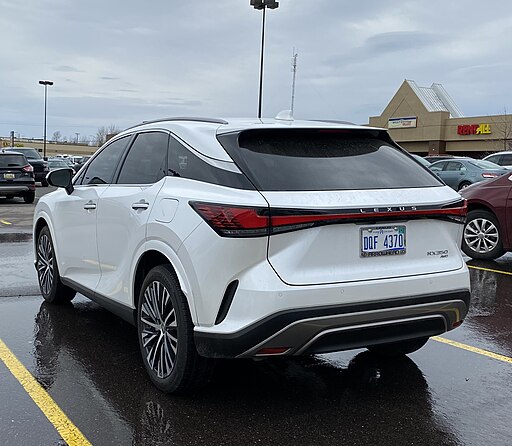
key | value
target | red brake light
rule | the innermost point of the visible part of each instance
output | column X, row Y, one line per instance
column 27, row 168
column 234, row 221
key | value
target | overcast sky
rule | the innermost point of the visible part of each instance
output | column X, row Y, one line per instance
column 121, row 62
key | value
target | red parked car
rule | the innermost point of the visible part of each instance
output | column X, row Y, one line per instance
column 486, row 233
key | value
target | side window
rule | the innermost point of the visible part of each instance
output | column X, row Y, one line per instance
column 454, row 166
column 146, row 161
column 495, row 159
column 437, row 167
column 506, row 160
column 101, row 169
column 184, row 163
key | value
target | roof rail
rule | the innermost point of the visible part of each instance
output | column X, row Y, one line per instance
column 334, row 121
column 184, row 118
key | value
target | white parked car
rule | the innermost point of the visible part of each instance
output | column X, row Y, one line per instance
column 503, row 159
column 249, row 238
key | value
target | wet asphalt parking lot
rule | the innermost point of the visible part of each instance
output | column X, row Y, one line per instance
column 454, row 391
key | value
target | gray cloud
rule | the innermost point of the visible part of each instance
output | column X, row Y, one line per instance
column 67, row 69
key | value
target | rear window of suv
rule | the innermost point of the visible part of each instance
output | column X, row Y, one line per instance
column 12, row 160
column 323, row 159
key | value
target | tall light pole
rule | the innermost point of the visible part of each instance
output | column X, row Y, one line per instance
column 263, row 4
column 45, row 83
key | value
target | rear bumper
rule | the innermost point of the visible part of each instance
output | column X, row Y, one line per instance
column 340, row 327
column 16, row 189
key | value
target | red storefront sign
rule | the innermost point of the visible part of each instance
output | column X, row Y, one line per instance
column 474, row 129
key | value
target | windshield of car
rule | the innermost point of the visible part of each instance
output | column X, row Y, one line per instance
column 12, row 160
column 324, row 159
column 484, row 164
column 28, row 152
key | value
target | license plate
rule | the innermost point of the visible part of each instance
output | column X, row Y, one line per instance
column 9, row 176
column 383, row 241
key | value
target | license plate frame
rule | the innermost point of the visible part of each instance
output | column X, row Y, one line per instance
column 9, row 176
column 379, row 241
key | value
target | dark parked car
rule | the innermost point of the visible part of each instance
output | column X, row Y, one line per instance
column 36, row 161
column 57, row 163
column 459, row 173
column 486, row 232
column 16, row 177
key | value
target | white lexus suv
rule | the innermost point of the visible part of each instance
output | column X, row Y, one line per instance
column 255, row 238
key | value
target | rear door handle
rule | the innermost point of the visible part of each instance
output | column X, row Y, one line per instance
column 142, row 205
column 90, row 205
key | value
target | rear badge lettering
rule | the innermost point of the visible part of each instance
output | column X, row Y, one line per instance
column 443, row 253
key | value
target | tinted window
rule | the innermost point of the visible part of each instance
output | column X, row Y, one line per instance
column 327, row 159
column 506, row 160
column 184, row 163
column 146, row 162
column 12, row 161
column 494, row 159
column 101, row 169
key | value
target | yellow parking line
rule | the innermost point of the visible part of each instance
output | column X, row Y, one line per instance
column 490, row 270
column 67, row 430
column 470, row 348
column 5, row 222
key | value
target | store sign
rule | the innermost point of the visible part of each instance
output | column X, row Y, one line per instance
column 400, row 123
column 474, row 129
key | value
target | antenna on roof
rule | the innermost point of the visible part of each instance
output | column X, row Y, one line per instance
column 294, row 71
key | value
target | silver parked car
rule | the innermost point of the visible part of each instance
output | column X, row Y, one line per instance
column 459, row 173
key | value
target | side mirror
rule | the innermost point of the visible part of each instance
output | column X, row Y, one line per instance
column 61, row 178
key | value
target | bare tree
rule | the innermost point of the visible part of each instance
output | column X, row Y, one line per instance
column 502, row 131
column 103, row 133
column 57, row 136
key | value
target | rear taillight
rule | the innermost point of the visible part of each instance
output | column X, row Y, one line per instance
column 490, row 175
column 27, row 168
column 241, row 221
column 234, row 221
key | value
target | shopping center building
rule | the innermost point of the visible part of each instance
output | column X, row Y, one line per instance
column 426, row 120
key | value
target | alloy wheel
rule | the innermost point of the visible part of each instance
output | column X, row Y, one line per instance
column 481, row 235
column 159, row 329
column 45, row 267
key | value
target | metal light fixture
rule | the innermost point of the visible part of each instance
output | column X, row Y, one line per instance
column 262, row 5
column 46, row 84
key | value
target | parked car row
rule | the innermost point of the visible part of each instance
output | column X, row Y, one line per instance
column 486, row 235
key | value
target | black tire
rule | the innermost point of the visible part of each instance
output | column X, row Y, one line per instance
column 44, row 183
column 463, row 185
column 174, row 366
column 29, row 197
column 482, row 237
column 52, row 289
column 398, row 348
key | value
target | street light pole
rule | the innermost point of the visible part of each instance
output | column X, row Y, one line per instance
column 262, row 4
column 45, row 83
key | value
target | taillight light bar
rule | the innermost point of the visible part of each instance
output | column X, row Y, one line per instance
column 241, row 221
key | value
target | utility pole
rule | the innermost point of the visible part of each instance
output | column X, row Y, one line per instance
column 294, row 71
column 77, row 135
